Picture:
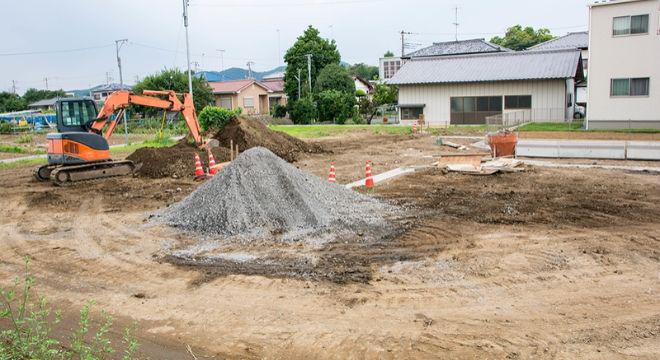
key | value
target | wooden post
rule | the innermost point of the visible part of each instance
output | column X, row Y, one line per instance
column 231, row 150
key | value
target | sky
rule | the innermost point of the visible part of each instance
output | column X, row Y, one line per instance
column 70, row 44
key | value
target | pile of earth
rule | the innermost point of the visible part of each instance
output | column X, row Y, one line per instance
column 178, row 160
column 259, row 196
column 253, row 133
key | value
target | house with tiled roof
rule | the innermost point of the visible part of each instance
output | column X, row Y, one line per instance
column 252, row 96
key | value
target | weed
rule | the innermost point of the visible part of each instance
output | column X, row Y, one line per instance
column 28, row 335
column 13, row 149
column 24, row 139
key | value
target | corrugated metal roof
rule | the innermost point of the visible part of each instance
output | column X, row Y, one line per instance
column 574, row 40
column 44, row 102
column 524, row 65
column 472, row 46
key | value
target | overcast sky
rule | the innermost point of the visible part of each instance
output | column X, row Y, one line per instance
column 245, row 29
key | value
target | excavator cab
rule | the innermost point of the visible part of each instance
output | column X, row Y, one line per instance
column 74, row 114
column 73, row 143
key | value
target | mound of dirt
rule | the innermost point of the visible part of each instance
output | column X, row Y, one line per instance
column 260, row 196
column 174, row 161
column 178, row 160
column 252, row 133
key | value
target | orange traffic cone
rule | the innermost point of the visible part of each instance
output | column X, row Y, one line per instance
column 199, row 171
column 331, row 176
column 213, row 169
column 369, row 181
column 415, row 127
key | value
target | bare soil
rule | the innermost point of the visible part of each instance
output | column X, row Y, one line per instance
column 541, row 264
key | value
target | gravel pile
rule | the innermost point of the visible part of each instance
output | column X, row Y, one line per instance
column 261, row 196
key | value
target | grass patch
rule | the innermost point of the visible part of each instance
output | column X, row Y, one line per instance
column 320, row 131
column 551, row 126
column 578, row 126
column 127, row 149
column 23, row 162
column 13, row 149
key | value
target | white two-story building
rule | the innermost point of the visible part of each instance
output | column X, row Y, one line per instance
column 624, row 65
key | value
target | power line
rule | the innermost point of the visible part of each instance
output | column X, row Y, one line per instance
column 289, row 4
column 56, row 51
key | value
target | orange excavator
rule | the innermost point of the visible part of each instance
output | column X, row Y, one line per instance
column 79, row 151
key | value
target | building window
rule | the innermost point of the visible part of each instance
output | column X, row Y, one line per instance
column 518, row 102
column 474, row 110
column 411, row 112
column 225, row 102
column 248, row 102
column 630, row 87
column 390, row 68
column 627, row 25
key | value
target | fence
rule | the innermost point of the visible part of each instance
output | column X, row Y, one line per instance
column 518, row 117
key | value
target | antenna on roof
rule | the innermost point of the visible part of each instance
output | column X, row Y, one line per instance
column 456, row 21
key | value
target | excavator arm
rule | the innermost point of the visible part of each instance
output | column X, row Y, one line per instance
column 120, row 100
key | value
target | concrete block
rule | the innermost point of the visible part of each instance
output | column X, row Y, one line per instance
column 644, row 150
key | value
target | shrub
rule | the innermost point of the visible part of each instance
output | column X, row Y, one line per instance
column 215, row 117
column 24, row 139
column 279, row 111
column 28, row 333
column 335, row 106
column 302, row 111
column 5, row 127
column 360, row 93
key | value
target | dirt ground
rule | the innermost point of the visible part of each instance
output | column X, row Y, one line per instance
column 542, row 264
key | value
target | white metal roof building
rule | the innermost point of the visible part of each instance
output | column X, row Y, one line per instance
column 474, row 89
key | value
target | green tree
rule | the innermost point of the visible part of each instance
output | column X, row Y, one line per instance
column 334, row 94
column 302, row 111
column 323, row 53
column 334, row 77
column 388, row 54
column 519, row 38
column 34, row 95
column 364, row 71
column 383, row 95
column 335, row 106
column 177, row 80
column 11, row 102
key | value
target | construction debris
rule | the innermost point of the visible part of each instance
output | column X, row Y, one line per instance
column 261, row 196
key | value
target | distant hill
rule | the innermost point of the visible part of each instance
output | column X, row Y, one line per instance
column 238, row 74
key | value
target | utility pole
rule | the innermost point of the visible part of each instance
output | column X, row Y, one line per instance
column 222, row 61
column 185, row 23
column 196, row 65
column 332, row 32
column 404, row 43
column 456, row 21
column 46, row 81
column 118, row 44
column 279, row 48
column 107, row 77
column 249, row 65
column 13, row 87
column 298, row 78
column 309, row 72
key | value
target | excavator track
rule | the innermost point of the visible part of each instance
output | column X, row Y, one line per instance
column 68, row 175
